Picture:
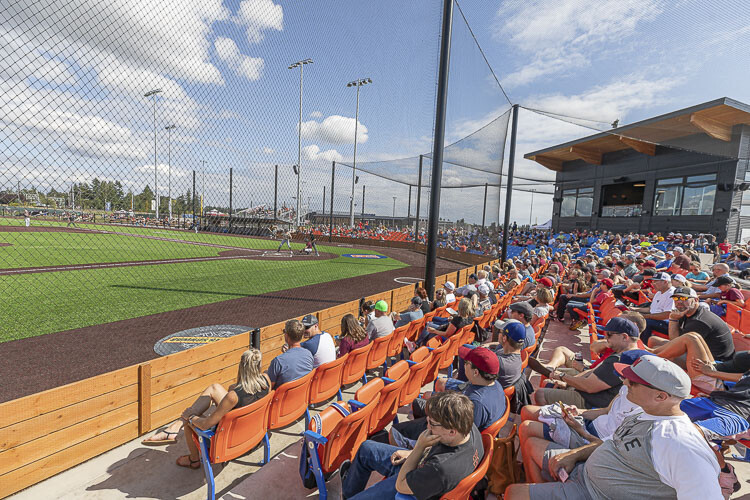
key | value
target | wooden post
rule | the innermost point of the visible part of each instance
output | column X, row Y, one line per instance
column 144, row 398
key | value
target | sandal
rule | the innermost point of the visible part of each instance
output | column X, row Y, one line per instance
column 159, row 442
column 190, row 464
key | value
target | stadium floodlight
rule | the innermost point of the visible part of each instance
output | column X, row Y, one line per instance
column 356, row 83
column 169, row 129
column 154, row 93
column 300, row 65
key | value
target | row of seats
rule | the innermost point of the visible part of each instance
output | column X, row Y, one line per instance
column 335, row 434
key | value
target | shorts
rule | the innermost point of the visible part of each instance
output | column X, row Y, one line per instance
column 715, row 421
column 576, row 441
column 572, row 489
column 740, row 363
column 565, row 396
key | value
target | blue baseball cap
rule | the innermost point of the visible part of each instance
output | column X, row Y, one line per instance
column 515, row 330
column 621, row 325
column 630, row 357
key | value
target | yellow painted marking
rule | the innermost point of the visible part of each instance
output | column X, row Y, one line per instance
column 192, row 340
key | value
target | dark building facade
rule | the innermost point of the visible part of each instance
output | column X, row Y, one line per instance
column 686, row 171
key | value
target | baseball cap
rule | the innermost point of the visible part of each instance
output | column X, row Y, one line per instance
column 523, row 307
column 515, row 330
column 684, row 291
column 417, row 301
column 649, row 263
column 381, row 306
column 608, row 282
column 309, row 320
column 546, row 282
column 678, row 249
column 473, row 276
column 448, row 285
column 604, row 272
column 659, row 373
column 630, row 357
column 660, row 254
column 481, row 357
column 679, row 277
column 621, row 325
column 484, row 289
column 724, row 280
column 580, row 262
column 661, row 277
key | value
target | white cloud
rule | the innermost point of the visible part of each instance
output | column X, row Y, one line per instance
column 228, row 114
column 268, row 151
column 258, row 16
column 560, row 35
column 316, row 114
column 249, row 67
column 313, row 153
column 335, row 129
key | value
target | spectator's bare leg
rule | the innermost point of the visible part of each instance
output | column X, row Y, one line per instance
column 517, row 491
column 691, row 344
column 530, row 412
column 533, row 455
column 561, row 356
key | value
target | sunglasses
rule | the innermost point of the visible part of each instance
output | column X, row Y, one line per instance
column 681, row 299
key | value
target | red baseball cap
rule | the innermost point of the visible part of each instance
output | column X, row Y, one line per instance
column 608, row 282
column 546, row 282
column 482, row 358
column 649, row 263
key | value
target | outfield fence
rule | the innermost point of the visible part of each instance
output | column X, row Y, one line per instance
column 47, row 433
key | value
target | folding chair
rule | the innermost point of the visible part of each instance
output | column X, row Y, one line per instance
column 290, row 402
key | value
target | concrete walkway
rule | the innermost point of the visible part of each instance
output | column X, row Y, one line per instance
column 137, row 471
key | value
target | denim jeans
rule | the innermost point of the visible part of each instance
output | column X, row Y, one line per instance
column 576, row 304
column 371, row 456
column 653, row 325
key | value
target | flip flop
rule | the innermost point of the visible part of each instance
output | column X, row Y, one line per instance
column 159, row 442
column 191, row 464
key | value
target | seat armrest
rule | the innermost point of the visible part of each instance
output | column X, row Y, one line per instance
column 387, row 380
column 410, row 362
column 315, row 437
column 356, row 405
column 208, row 433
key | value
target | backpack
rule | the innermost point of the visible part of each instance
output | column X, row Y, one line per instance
column 504, row 469
column 480, row 334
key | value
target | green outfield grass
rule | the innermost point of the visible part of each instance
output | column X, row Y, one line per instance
column 40, row 303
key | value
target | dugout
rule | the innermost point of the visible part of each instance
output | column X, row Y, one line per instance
column 686, row 171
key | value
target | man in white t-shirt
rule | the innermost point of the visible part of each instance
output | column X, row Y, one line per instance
column 658, row 454
column 320, row 344
column 657, row 314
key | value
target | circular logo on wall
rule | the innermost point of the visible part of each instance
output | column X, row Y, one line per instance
column 364, row 256
column 193, row 337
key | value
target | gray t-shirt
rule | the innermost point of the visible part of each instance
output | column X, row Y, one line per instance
column 291, row 365
column 510, row 367
column 379, row 327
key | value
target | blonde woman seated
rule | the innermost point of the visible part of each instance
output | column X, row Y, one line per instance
column 215, row 402
column 464, row 317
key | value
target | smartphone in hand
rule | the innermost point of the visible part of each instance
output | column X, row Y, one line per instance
column 562, row 474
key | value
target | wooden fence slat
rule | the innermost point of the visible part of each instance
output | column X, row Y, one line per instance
column 144, row 398
column 177, row 377
column 40, row 448
column 163, row 399
column 66, row 458
column 173, row 411
column 196, row 354
column 33, row 428
column 17, row 410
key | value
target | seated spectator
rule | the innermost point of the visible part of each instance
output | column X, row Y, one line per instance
column 443, row 455
column 440, row 300
column 523, row 312
column 552, row 424
column 320, row 344
column 680, row 259
column 215, row 402
column 485, row 304
column 412, row 313
column 481, row 369
column 464, row 318
column 295, row 361
column 511, row 334
column 353, row 336
column 471, row 286
column 687, row 317
column 450, row 289
column 512, row 281
column 368, row 313
column 710, row 290
column 728, row 294
column 426, row 304
column 591, row 388
column 381, row 325
column 657, row 313
column 696, row 275
column 544, row 299
column 656, row 454
column 598, row 295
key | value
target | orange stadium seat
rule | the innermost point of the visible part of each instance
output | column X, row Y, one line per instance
column 356, row 365
column 327, row 380
column 290, row 402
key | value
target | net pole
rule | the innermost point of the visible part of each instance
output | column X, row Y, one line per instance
column 193, row 197
column 419, row 200
column 275, row 192
column 437, row 151
column 484, row 207
column 363, row 200
column 509, row 182
column 324, row 202
column 230, row 199
column 408, row 208
column 330, row 221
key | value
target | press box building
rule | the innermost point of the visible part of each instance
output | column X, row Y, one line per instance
column 687, row 171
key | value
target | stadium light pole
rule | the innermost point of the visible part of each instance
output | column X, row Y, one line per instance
column 169, row 129
column 300, row 65
column 154, row 93
column 356, row 83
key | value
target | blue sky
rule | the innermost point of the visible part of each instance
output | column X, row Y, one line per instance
column 73, row 80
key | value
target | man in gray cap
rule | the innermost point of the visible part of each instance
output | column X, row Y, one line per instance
column 522, row 312
column 413, row 312
column 658, row 454
column 320, row 344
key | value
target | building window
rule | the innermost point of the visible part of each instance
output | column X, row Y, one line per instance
column 685, row 195
column 622, row 199
column 745, row 207
column 577, row 202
